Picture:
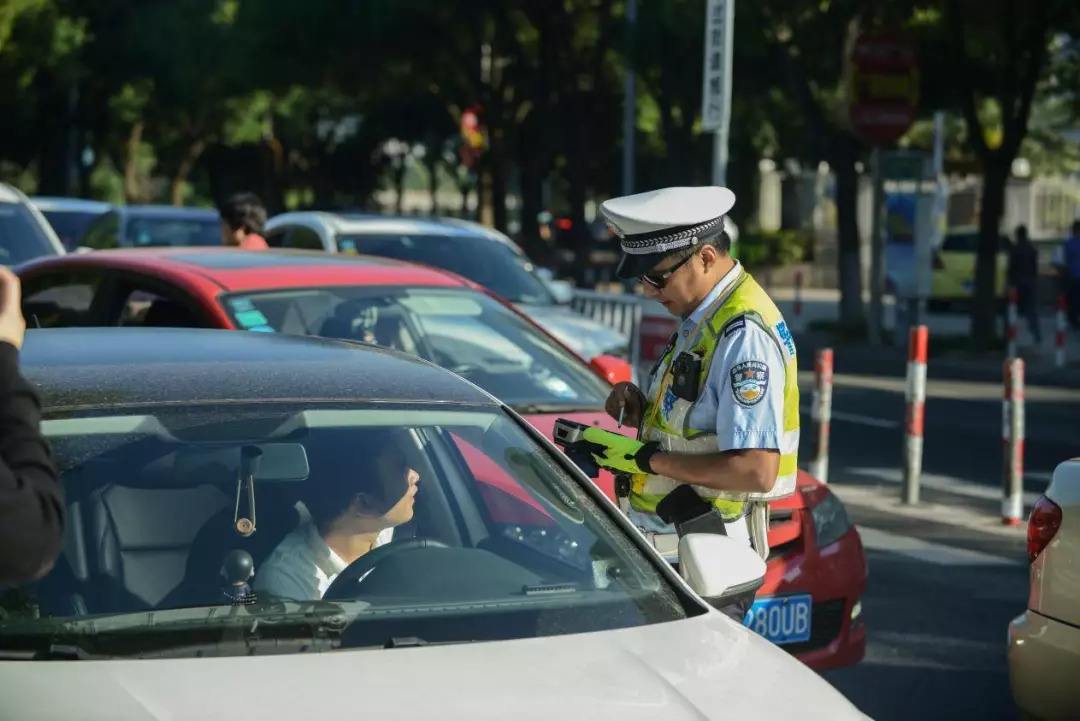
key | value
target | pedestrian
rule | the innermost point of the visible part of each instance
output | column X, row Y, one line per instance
column 1069, row 267
column 721, row 409
column 31, row 498
column 1023, row 275
column 243, row 217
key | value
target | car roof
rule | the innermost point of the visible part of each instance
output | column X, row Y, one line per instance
column 83, row 368
column 372, row 223
column 167, row 211
column 9, row 194
column 81, row 205
column 235, row 270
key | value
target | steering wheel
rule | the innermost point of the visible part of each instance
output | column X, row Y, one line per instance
column 344, row 586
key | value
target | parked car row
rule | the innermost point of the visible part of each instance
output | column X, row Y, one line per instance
column 452, row 292
column 816, row 571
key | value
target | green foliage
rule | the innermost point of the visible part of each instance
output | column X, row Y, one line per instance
column 781, row 247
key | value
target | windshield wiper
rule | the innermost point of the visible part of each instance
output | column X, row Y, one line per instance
column 555, row 408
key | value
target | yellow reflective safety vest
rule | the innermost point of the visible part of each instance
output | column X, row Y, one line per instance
column 673, row 431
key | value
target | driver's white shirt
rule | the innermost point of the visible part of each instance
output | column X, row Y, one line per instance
column 302, row 566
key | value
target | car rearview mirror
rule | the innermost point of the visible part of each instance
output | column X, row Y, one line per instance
column 720, row 569
column 277, row 462
column 613, row 369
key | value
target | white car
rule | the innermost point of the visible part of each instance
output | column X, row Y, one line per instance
column 1044, row 641
column 509, row 585
column 25, row 234
column 478, row 253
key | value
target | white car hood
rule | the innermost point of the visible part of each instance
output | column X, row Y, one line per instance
column 585, row 336
column 703, row 668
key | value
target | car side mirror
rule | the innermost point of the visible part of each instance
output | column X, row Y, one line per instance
column 720, row 569
column 614, row 370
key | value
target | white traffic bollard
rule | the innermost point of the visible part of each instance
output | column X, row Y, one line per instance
column 915, row 395
column 1012, row 436
column 1011, row 325
column 821, row 413
column 1059, row 335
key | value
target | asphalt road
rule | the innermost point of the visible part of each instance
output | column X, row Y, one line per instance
column 941, row 593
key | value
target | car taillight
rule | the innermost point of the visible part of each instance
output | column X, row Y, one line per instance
column 1042, row 525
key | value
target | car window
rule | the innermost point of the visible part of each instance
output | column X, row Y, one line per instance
column 482, row 260
column 465, row 331
column 171, row 231
column 21, row 238
column 59, row 300
column 147, row 308
column 70, row 225
column 103, row 233
column 301, row 237
column 178, row 513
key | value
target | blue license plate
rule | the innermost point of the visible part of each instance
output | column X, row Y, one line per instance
column 781, row 619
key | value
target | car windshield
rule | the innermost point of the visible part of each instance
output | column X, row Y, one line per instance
column 466, row 331
column 487, row 262
column 21, row 238
column 70, row 225
column 267, row 528
column 172, row 231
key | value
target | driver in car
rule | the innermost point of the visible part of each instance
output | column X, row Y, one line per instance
column 349, row 515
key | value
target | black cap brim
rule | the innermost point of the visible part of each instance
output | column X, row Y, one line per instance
column 634, row 266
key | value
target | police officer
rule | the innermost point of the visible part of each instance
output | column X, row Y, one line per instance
column 721, row 411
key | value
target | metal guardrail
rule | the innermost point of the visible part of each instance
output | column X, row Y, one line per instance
column 620, row 312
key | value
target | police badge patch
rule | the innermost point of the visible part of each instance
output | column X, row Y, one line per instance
column 749, row 381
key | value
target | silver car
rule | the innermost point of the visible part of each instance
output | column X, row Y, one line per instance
column 25, row 234
column 480, row 254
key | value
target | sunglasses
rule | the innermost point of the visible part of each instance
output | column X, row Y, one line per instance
column 659, row 280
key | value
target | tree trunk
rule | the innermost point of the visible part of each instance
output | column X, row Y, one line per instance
column 984, row 311
column 132, row 187
column 183, row 170
column 399, row 186
column 433, row 180
column 848, row 258
column 498, row 180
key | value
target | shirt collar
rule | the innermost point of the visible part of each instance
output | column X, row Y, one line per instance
column 722, row 285
column 328, row 562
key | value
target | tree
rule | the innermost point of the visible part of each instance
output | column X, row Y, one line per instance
column 999, row 49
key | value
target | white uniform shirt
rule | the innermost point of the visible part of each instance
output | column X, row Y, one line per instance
column 302, row 566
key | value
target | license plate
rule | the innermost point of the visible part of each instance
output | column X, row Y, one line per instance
column 781, row 619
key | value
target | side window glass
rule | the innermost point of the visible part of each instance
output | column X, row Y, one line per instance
column 303, row 238
column 103, row 233
column 151, row 310
column 276, row 238
column 59, row 301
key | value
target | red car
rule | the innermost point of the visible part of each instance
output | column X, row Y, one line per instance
column 816, row 568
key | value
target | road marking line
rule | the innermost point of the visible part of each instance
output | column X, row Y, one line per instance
column 925, row 551
column 939, row 482
column 857, row 418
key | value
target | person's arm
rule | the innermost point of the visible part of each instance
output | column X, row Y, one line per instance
column 31, row 497
column 748, row 426
column 751, row 470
